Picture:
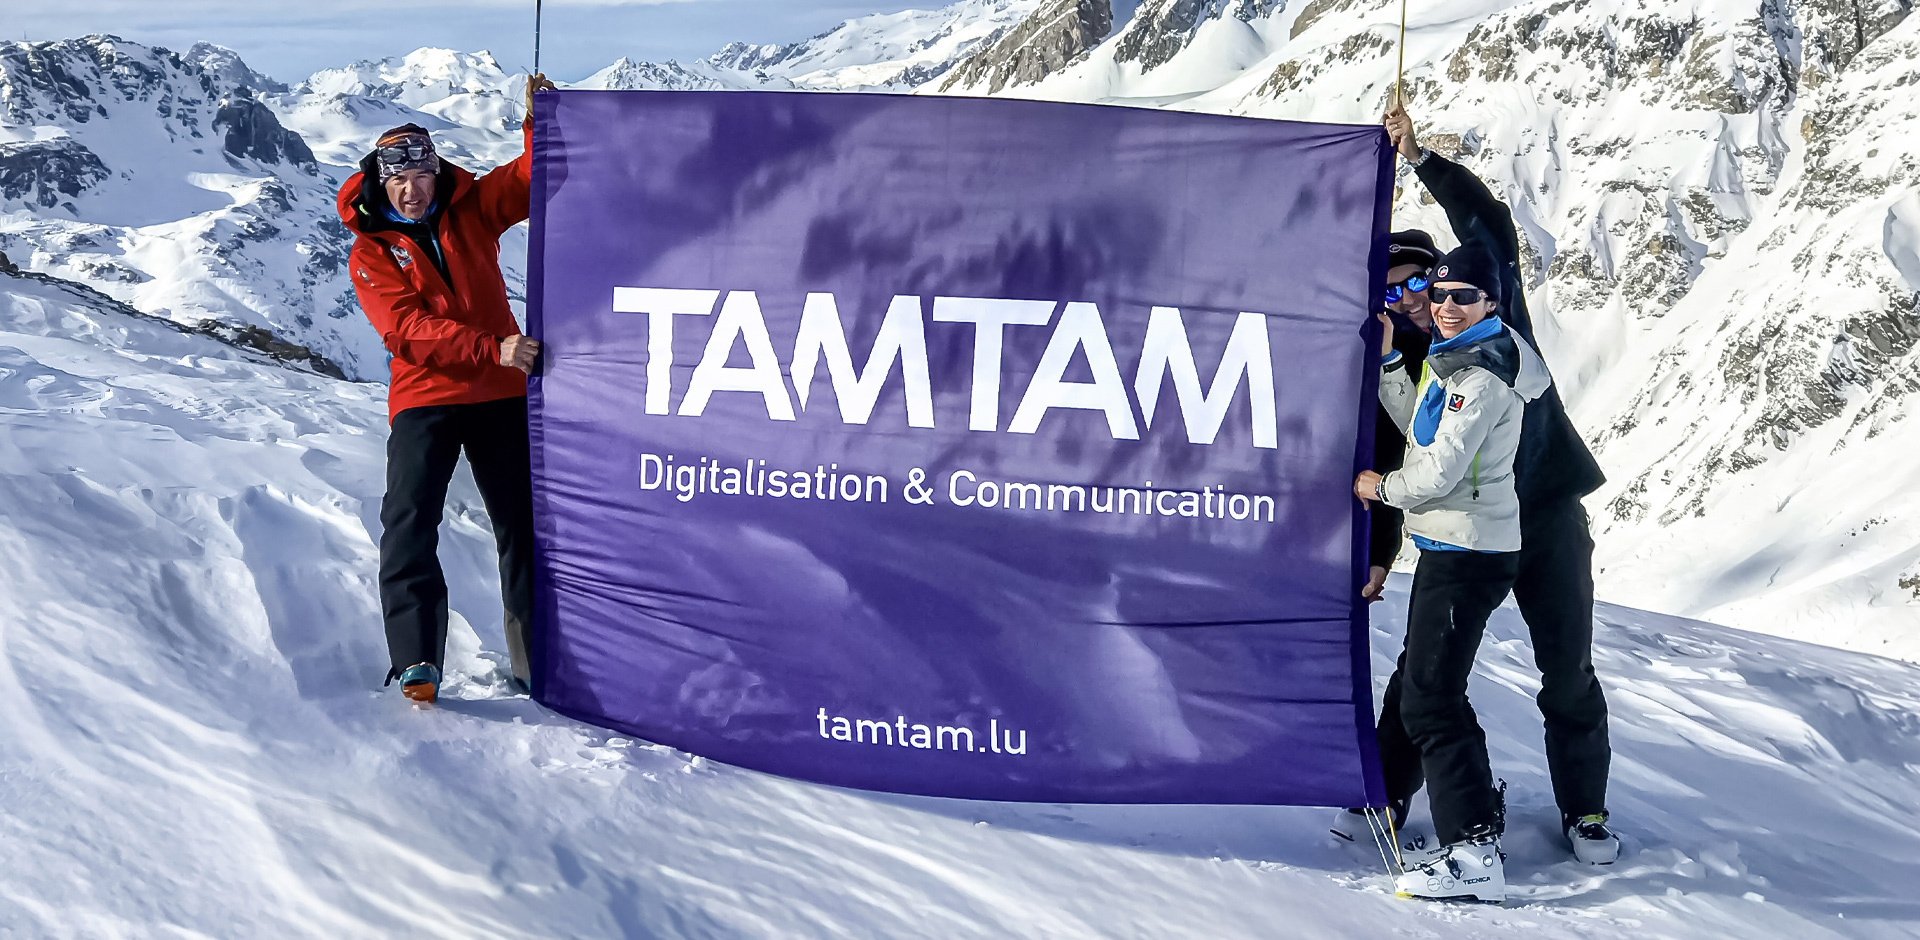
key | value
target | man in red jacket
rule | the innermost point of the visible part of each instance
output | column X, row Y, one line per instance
column 426, row 268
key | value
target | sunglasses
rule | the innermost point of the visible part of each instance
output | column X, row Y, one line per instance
column 1461, row 296
column 1412, row 285
column 411, row 153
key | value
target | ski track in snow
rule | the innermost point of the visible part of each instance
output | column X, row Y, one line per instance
column 198, row 744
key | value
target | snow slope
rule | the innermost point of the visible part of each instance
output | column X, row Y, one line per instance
column 196, row 744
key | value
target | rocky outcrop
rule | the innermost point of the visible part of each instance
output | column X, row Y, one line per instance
column 253, row 339
column 1840, row 29
column 1316, row 9
column 1050, row 39
column 228, row 70
column 47, row 173
column 1161, row 28
column 253, row 131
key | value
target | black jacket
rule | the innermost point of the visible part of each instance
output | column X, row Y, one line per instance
column 1553, row 463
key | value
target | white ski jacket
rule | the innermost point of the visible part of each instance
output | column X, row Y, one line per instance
column 1456, row 485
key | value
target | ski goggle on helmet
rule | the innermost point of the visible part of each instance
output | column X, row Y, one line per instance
column 398, row 153
column 1414, row 284
column 408, row 153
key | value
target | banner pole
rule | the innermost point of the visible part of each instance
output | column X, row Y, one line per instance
column 536, row 35
column 1399, row 94
column 1399, row 69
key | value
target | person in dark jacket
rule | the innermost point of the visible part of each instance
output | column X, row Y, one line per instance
column 1554, row 469
column 425, row 266
column 1410, row 258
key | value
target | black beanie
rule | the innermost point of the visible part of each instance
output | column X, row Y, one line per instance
column 1411, row 247
column 1469, row 266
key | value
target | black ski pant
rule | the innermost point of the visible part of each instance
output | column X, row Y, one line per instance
column 1554, row 590
column 424, row 445
column 1428, row 729
column 1555, row 594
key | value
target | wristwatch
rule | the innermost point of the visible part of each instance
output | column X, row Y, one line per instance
column 1380, row 491
column 1425, row 155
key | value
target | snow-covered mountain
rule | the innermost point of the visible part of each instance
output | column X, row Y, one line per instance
column 882, row 52
column 196, row 743
column 1721, row 207
column 168, row 183
column 196, row 188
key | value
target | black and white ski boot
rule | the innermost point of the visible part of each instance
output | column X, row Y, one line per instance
column 1353, row 824
column 1592, row 841
column 1473, row 870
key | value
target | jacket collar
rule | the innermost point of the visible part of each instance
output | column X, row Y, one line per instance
column 1473, row 334
column 1487, row 344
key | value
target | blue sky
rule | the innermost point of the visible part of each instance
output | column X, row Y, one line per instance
column 290, row 39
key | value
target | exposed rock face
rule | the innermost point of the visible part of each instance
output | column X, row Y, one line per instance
column 1840, row 29
column 253, row 131
column 1060, row 32
column 1161, row 28
column 59, row 82
column 1315, row 9
column 47, row 173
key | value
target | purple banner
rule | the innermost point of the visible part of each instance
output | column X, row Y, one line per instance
column 974, row 448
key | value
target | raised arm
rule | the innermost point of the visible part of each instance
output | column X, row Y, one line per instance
column 505, row 191
column 1478, row 218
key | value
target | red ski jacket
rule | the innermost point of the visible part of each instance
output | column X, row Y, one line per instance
column 444, row 331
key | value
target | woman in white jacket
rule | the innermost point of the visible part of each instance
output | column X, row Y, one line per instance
column 1461, row 417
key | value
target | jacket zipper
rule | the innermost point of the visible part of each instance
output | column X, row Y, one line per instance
column 1426, row 373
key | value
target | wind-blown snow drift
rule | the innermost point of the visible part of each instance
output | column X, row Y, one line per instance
column 196, row 744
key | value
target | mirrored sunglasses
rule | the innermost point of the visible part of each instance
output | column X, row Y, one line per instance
column 1412, row 285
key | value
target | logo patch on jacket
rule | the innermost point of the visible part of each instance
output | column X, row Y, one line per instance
column 1456, row 402
column 402, row 255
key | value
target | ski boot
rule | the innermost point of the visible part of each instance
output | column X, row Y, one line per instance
column 421, row 683
column 1592, row 841
column 1351, row 824
column 1472, row 870
column 1413, row 847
